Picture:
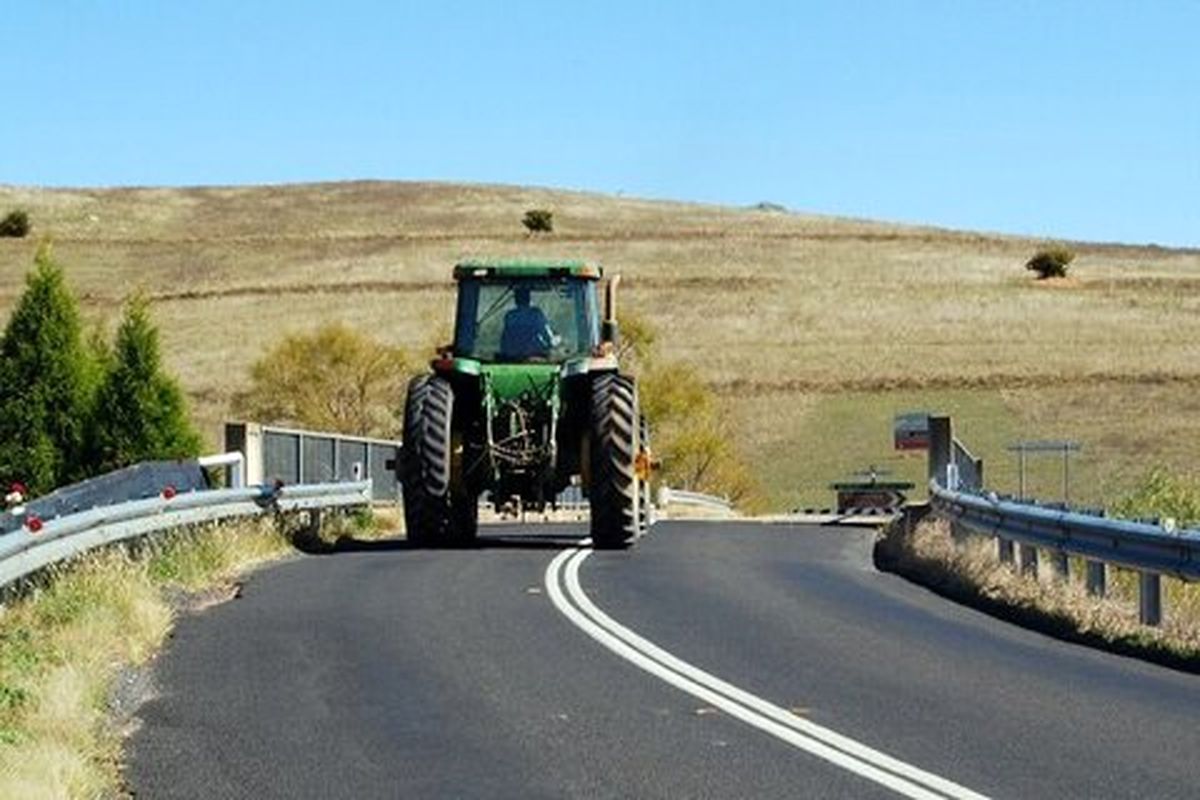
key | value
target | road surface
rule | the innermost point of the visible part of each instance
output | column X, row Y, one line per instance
column 714, row 660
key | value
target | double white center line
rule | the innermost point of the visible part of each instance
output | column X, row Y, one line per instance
column 562, row 584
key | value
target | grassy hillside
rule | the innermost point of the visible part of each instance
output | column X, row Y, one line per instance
column 815, row 329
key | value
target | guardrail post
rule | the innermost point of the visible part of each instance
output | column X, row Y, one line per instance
column 1062, row 567
column 941, row 448
column 1096, row 578
column 1004, row 548
column 247, row 439
column 1150, row 597
column 1029, row 560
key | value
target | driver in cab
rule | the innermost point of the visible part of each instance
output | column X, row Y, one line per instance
column 527, row 332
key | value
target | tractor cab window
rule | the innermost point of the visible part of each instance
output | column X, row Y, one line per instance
column 527, row 319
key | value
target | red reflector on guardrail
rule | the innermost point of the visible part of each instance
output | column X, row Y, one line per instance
column 33, row 523
column 169, row 492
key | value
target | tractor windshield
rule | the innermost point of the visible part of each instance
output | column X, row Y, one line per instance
column 526, row 319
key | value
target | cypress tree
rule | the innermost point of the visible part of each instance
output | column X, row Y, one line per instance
column 140, row 414
column 43, row 383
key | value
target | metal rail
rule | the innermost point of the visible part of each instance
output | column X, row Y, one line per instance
column 42, row 543
column 1151, row 550
column 669, row 496
column 1124, row 543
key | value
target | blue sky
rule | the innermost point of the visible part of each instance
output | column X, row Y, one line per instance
column 1068, row 119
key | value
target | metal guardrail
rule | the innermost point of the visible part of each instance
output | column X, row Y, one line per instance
column 1124, row 543
column 1150, row 550
column 47, row 542
column 668, row 496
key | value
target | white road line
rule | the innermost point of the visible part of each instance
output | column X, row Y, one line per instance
column 568, row 596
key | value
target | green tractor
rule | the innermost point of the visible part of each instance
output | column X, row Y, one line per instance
column 527, row 401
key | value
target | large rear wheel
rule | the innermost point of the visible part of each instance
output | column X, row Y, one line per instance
column 435, row 511
column 614, row 490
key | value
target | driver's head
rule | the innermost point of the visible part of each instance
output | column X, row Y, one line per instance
column 521, row 294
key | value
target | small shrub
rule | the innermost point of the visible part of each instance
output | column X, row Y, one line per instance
column 1051, row 262
column 15, row 224
column 1162, row 494
column 333, row 379
column 538, row 220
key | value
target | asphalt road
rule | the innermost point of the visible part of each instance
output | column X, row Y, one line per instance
column 390, row 672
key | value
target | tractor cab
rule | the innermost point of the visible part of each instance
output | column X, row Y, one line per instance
column 527, row 312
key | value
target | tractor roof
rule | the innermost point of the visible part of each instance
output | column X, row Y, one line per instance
column 526, row 268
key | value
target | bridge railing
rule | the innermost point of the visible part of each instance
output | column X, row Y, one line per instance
column 1150, row 549
column 273, row 453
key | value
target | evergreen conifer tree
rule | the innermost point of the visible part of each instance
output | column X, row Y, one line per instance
column 43, row 383
column 139, row 414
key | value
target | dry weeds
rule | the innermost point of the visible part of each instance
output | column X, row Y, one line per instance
column 62, row 647
column 970, row 565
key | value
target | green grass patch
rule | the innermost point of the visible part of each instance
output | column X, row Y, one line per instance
column 842, row 433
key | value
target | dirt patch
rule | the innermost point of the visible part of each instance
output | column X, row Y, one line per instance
column 708, row 283
column 999, row 380
column 193, row 602
column 1067, row 282
column 395, row 287
column 1149, row 283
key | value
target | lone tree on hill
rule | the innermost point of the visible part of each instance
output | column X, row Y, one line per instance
column 139, row 414
column 1051, row 262
column 15, row 224
column 538, row 220
column 44, row 383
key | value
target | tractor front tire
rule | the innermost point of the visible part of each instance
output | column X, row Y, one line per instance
column 429, row 508
column 614, row 492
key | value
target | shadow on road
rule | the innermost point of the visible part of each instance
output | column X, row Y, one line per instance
column 496, row 537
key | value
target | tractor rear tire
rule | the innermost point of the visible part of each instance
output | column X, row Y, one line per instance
column 429, row 507
column 614, row 492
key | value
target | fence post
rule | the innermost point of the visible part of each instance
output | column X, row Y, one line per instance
column 1150, row 596
column 1029, row 560
column 941, row 447
column 1004, row 550
column 300, row 458
column 1062, row 567
column 1096, row 578
column 246, row 438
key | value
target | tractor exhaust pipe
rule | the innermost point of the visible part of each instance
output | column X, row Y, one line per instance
column 610, row 331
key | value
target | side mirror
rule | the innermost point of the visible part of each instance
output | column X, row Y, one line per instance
column 610, row 331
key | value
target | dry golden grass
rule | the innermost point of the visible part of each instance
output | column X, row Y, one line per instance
column 62, row 647
column 776, row 310
column 1113, row 618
